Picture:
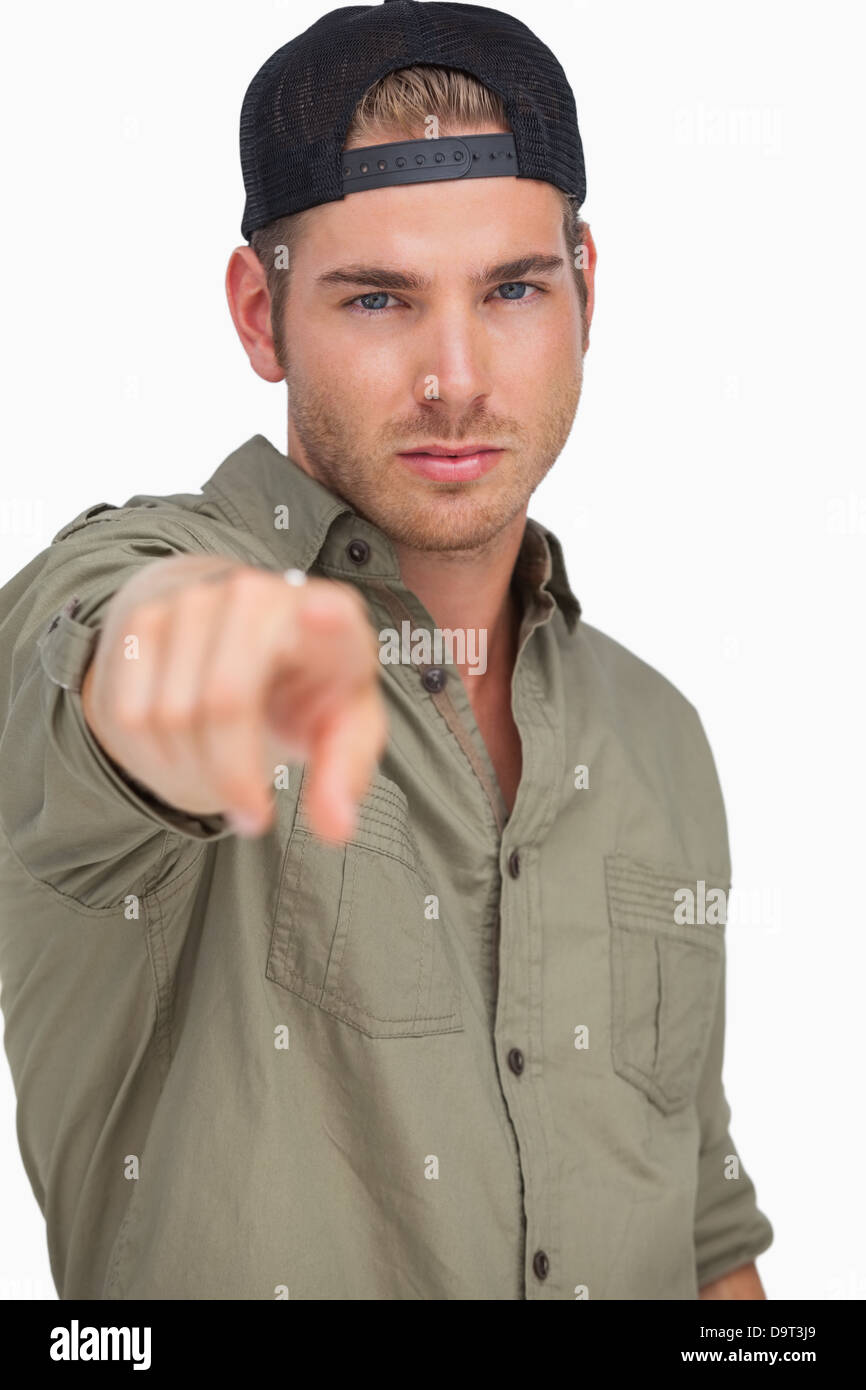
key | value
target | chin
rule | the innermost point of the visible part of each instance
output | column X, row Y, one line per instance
column 452, row 521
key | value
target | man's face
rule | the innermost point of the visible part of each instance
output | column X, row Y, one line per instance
column 460, row 354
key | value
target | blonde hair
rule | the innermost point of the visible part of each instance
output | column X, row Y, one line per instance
column 397, row 107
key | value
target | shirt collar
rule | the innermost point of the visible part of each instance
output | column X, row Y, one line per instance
column 304, row 524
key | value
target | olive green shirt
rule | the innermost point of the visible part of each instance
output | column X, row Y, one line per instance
column 468, row 1055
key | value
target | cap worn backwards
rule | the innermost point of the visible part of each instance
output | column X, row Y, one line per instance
column 298, row 107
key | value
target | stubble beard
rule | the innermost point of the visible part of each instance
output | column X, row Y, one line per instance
column 417, row 513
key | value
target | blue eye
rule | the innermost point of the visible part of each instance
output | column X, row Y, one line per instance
column 374, row 302
column 520, row 285
column 372, row 294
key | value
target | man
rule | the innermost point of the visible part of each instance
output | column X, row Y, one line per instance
column 364, row 933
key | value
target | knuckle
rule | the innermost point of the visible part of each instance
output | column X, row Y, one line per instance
column 196, row 599
column 145, row 619
column 174, row 715
column 245, row 584
column 131, row 717
column 223, row 700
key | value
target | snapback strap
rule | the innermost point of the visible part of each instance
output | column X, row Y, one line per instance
column 422, row 161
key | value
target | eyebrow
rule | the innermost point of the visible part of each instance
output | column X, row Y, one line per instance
column 390, row 279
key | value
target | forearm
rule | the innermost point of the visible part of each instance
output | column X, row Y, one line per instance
column 740, row 1283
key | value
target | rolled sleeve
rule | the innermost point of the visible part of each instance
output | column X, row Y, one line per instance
column 72, row 817
column 730, row 1228
column 65, row 652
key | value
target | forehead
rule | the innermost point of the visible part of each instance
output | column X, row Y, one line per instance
column 452, row 223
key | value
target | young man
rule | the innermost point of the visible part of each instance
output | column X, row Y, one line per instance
column 364, row 934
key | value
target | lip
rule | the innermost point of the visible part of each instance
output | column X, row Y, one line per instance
column 446, row 449
column 433, row 462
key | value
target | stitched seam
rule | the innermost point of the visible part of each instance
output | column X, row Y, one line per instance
column 703, row 944
column 442, row 700
column 427, row 945
column 387, row 801
column 655, row 1086
column 289, row 929
column 636, row 875
column 339, row 994
column 175, row 885
column 659, row 1006
column 158, row 957
column 445, row 706
column 347, row 895
column 353, row 1003
column 346, row 1018
column 372, row 849
column 83, row 909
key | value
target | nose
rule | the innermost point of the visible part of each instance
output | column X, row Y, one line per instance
column 453, row 361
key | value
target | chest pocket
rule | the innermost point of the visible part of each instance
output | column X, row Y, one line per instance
column 667, row 958
column 356, row 928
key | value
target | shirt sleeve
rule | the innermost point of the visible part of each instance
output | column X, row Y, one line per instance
column 71, row 817
column 730, row 1228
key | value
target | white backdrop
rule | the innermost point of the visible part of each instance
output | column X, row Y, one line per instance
column 711, row 498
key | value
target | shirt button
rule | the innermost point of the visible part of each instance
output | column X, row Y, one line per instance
column 515, row 1060
column 540, row 1264
column 358, row 551
column 433, row 679
column 514, row 863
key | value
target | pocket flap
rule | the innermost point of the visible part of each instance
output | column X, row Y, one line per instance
column 667, row 957
column 356, row 929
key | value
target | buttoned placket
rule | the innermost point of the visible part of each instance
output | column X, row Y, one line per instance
column 344, row 546
column 518, row 1026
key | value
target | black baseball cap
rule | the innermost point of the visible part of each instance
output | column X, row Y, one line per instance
column 298, row 107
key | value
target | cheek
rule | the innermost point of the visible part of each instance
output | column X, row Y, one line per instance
column 544, row 363
column 562, row 348
column 361, row 369
column 549, row 330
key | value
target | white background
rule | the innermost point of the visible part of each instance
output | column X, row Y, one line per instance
column 711, row 499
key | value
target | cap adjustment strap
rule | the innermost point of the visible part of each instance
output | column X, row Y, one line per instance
column 423, row 161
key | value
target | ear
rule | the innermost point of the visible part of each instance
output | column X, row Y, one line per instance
column 250, row 307
column 589, row 276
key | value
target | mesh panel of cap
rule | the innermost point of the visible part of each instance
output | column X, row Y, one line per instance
column 298, row 106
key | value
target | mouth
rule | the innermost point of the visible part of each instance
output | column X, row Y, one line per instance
column 443, row 464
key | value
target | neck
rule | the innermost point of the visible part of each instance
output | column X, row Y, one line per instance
column 471, row 590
